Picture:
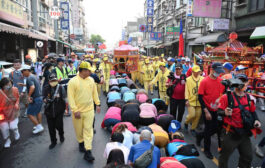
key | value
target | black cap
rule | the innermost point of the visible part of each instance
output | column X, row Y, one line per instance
column 178, row 66
column 70, row 61
column 60, row 60
column 218, row 67
column 242, row 77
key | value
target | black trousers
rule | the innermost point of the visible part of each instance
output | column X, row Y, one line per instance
column 53, row 125
column 211, row 128
column 192, row 163
column 147, row 121
column 177, row 105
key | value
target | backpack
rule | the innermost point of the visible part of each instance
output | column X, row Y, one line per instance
column 247, row 117
column 174, row 126
column 170, row 90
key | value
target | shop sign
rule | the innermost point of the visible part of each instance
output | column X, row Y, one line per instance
column 65, row 19
column 156, row 36
column 221, row 24
column 33, row 52
column 189, row 7
column 11, row 12
column 54, row 12
column 207, row 8
column 40, row 44
column 172, row 30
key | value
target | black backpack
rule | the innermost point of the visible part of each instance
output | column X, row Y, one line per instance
column 247, row 117
column 170, row 89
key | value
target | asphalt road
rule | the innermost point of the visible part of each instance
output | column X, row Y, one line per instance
column 32, row 151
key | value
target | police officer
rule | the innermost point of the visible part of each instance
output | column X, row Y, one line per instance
column 60, row 70
column 236, row 131
column 71, row 70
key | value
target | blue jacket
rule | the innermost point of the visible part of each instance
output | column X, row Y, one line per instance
column 129, row 95
column 173, row 147
column 112, row 96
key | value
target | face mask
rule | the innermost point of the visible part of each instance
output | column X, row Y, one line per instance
column 53, row 84
column 216, row 74
column 8, row 87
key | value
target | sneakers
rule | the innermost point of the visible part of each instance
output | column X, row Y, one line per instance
column 16, row 134
column 7, row 143
column 52, row 145
column 208, row 154
column 82, row 147
column 88, row 156
column 39, row 128
column 259, row 152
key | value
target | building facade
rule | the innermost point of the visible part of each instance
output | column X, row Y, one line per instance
column 26, row 28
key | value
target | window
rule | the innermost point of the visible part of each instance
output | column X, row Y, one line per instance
column 198, row 21
column 257, row 5
column 241, row 1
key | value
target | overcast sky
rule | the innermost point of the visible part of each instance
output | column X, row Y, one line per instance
column 108, row 17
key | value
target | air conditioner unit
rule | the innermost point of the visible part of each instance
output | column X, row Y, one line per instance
column 209, row 27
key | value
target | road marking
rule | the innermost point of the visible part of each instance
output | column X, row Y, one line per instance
column 214, row 159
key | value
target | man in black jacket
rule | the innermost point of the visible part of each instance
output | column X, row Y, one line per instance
column 54, row 97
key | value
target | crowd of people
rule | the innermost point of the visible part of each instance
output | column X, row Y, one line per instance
column 143, row 133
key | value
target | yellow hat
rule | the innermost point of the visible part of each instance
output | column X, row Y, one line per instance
column 162, row 55
column 156, row 57
column 92, row 56
column 105, row 58
column 147, row 61
column 85, row 65
column 86, row 56
column 162, row 64
column 96, row 60
column 196, row 68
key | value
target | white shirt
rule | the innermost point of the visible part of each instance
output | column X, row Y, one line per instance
column 116, row 145
column 128, row 138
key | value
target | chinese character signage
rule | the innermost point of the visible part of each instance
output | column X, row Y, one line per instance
column 221, row 24
column 172, row 31
column 65, row 15
column 207, row 8
column 156, row 36
column 11, row 12
column 189, row 7
column 150, row 28
column 150, row 15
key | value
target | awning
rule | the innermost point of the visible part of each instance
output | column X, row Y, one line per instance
column 212, row 38
column 37, row 36
column 13, row 29
column 259, row 33
column 66, row 44
column 149, row 46
column 45, row 35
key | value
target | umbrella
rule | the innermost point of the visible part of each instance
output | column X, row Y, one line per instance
column 5, row 63
column 52, row 55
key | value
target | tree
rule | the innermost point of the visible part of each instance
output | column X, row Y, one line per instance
column 95, row 39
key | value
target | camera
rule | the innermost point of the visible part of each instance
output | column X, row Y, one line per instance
column 171, row 76
column 232, row 83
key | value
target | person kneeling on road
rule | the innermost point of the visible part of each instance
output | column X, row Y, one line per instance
column 130, row 112
column 54, row 97
column 148, row 113
column 240, row 121
column 185, row 153
column 112, row 117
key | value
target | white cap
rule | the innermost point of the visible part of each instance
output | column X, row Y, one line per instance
column 25, row 67
column 187, row 59
column 241, row 67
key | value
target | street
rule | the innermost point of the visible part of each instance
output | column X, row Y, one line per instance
column 32, row 151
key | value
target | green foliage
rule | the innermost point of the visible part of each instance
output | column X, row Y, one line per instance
column 95, row 38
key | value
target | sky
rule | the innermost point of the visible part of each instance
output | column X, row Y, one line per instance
column 108, row 17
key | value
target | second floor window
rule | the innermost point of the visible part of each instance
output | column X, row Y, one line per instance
column 257, row 5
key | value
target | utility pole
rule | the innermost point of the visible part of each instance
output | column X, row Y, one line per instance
column 35, row 15
column 55, row 3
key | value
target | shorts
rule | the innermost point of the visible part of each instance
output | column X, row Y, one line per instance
column 111, row 122
column 35, row 107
